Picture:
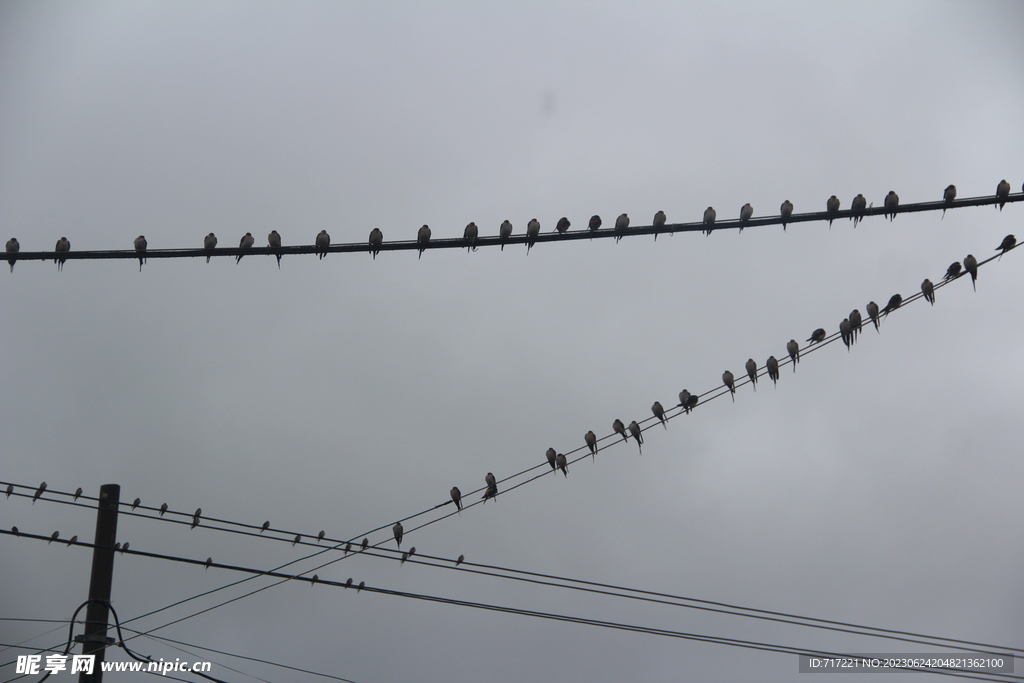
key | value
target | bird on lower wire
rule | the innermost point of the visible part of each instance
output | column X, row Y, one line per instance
column 397, row 530
column 659, row 412
column 895, row 301
column 1008, row 243
column 773, row 369
column 971, row 266
column 591, row 440
column 872, row 309
column 751, row 368
column 817, row 336
column 729, row 381
column 620, row 429
column 928, row 289
column 794, row 352
column 952, row 272
column 634, row 430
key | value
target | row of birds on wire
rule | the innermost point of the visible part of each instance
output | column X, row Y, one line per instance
column 849, row 330
column 472, row 232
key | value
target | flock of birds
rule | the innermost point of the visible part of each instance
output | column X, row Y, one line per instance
column 472, row 232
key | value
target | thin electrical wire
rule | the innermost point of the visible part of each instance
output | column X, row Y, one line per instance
column 488, row 241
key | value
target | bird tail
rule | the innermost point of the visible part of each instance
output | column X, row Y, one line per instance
column 207, row 259
column 279, row 262
column 874, row 319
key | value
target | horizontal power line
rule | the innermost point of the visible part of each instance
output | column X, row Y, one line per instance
column 521, row 238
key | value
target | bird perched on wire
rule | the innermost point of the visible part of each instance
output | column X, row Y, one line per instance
column 831, row 208
column 709, row 219
column 691, row 402
column 786, row 210
column 469, row 236
column 895, row 301
column 948, row 195
column 562, row 464
column 952, row 272
column 208, row 562
column 492, row 487
column 1002, row 192
column 397, row 531
column 195, row 517
column 621, row 225
column 245, row 243
column 504, row 232
column 659, row 412
column 634, row 430
column 751, row 368
column 620, row 429
column 971, row 266
column 729, row 381
column 406, row 556
column 591, row 440
column 136, row 503
column 773, row 369
column 323, row 240
column 364, row 545
column 140, row 248
column 562, row 225
column 684, row 398
column 456, row 495
column 274, row 242
column 462, row 558
column 10, row 490
column 73, row 540
column 1008, row 243
column 794, row 352
column 817, row 336
column 320, row 536
column 266, row 525
column 78, row 492
column 659, row 222
column 855, row 323
column 892, row 200
column 376, row 239
column 53, row 537
column 39, row 492
column 872, row 309
column 595, row 223
column 298, row 537
column 532, row 230
column 13, row 248
column 423, row 238
column 550, row 455
column 846, row 332
column 857, row 207
column 209, row 244
column 928, row 289
column 63, row 247
column 746, row 212
column 163, row 509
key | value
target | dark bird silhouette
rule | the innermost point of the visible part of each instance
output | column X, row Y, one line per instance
column 72, row 540
column 952, row 272
column 423, row 238
column 397, row 531
column 348, row 547
column 591, row 440
column 78, row 492
column 634, row 430
column 209, row 561
column 659, row 222
column 620, row 429
column 562, row 225
column 209, row 244
column 709, row 219
column 948, row 195
column 595, row 223
column 124, row 548
column 462, row 558
column 621, row 225
column 12, row 248
column 532, row 230
column 298, row 537
column 140, row 249
column 456, row 495
column 195, row 517
column 684, row 398
column 846, row 332
column 63, row 246
column 39, row 492
column 872, row 309
column 550, row 455
column 831, row 208
column 245, row 243
column 928, row 289
column 492, row 487
column 751, row 368
column 163, row 509
column 895, row 301
column 266, row 525
column 659, row 412
column 729, row 381
column 1002, row 192
column 855, row 323
column 274, row 242
column 746, row 212
column 53, row 537
column 773, row 369
column 136, row 503
column 971, row 266
column 857, row 207
column 817, row 336
column 504, row 232
column 794, row 352
column 376, row 239
column 320, row 536
column 1008, row 243
column 364, row 545
column 562, row 464
column 786, row 210
column 362, row 584
column 892, row 200
column 323, row 240
column 469, row 236
column 14, row 530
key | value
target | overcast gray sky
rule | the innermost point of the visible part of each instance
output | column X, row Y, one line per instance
column 880, row 486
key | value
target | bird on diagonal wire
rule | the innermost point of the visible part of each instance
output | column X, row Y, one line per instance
column 817, row 336
column 952, row 272
column 397, row 531
column 562, row 464
column 78, row 493
column 163, row 509
column 136, row 503
column 872, row 309
column 895, row 301
column 13, row 247
column 245, row 243
column 684, row 398
column 551, row 455
column 195, row 517
column 39, row 492
column 659, row 412
column 634, row 430
column 971, row 266
column 746, row 211
column 266, row 525
column 730, row 381
column 948, row 195
column 591, row 440
column 1008, row 243
column 855, row 323
column 376, row 239
column 773, row 370
column 620, row 429
column 928, row 289
column 709, row 219
column 1002, row 192
column 831, row 208
column 492, row 487
column 846, row 332
column 751, row 368
column 794, row 352
column 456, row 495
column 621, row 225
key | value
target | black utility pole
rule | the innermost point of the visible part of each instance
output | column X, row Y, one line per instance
column 95, row 639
